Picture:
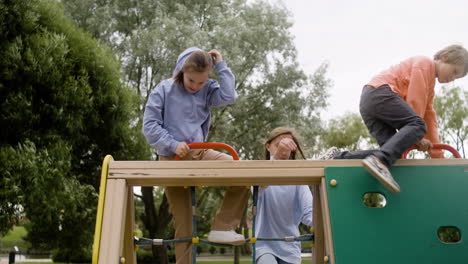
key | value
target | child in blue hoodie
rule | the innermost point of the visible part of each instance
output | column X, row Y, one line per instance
column 281, row 208
column 178, row 113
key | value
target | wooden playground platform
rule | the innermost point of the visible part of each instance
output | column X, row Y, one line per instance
column 433, row 194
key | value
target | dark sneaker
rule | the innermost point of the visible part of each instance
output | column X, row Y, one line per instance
column 375, row 167
column 329, row 154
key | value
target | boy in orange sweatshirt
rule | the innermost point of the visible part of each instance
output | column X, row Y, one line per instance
column 397, row 108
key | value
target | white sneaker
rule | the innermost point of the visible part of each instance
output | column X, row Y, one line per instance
column 226, row 237
column 375, row 167
column 329, row 154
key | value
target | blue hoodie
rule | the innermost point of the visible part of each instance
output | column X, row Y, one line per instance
column 173, row 115
column 280, row 210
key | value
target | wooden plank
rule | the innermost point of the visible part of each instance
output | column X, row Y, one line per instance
column 250, row 164
column 432, row 162
column 318, row 251
column 238, row 164
column 111, row 245
column 238, row 173
column 326, row 222
column 220, row 177
column 128, row 245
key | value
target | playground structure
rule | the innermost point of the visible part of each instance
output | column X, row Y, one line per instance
column 405, row 230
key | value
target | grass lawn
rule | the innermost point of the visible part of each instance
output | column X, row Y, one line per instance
column 14, row 238
column 15, row 235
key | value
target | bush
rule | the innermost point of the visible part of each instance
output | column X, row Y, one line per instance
column 73, row 255
column 212, row 250
column 199, row 249
column 145, row 257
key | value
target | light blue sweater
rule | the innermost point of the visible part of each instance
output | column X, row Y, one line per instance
column 173, row 115
column 280, row 210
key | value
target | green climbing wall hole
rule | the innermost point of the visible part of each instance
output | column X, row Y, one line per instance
column 449, row 234
column 374, row 200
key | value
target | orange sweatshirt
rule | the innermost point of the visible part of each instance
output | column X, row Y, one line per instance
column 414, row 80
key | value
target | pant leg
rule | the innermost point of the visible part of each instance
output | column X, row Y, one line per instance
column 235, row 199
column 280, row 261
column 181, row 208
column 266, row 259
column 179, row 199
column 359, row 154
column 394, row 124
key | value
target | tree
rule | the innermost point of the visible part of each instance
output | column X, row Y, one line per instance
column 452, row 116
column 255, row 40
column 348, row 132
column 65, row 107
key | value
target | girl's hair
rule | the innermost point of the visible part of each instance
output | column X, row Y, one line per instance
column 198, row 61
column 283, row 131
column 454, row 54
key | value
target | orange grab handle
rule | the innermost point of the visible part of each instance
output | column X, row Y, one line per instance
column 436, row 146
column 210, row 145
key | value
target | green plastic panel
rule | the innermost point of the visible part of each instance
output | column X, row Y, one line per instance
column 405, row 230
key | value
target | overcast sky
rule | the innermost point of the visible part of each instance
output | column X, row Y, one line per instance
column 360, row 38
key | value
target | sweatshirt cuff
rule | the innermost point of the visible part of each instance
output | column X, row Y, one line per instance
column 173, row 146
column 220, row 65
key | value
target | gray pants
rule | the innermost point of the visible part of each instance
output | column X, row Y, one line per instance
column 391, row 121
column 270, row 259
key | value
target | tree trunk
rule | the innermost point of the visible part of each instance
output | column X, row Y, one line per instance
column 156, row 223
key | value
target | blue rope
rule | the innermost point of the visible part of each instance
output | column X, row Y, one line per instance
column 147, row 241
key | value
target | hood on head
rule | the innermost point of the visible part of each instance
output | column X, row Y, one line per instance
column 182, row 58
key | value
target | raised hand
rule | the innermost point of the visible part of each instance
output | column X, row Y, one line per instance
column 215, row 55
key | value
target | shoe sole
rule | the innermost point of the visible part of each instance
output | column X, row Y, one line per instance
column 390, row 184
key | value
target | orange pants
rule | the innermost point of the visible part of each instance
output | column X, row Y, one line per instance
column 179, row 198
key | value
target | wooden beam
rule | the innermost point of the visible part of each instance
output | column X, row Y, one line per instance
column 318, row 251
column 247, row 164
column 128, row 246
column 115, row 205
column 326, row 222
column 238, row 173
column 219, row 177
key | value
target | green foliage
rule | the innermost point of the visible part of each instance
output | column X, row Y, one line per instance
column 255, row 40
column 452, row 116
column 53, row 212
column 347, row 132
column 212, row 250
column 64, row 107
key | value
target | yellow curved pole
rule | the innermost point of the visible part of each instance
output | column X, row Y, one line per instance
column 100, row 209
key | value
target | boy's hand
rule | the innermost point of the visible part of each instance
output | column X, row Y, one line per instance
column 216, row 56
column 182, row 149
column 285, row 147
column 424, row 145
